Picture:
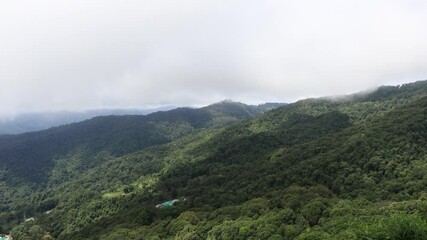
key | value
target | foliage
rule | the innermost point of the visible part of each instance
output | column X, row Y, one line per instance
column 347, row 168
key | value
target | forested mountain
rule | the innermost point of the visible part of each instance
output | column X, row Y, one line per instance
column 30, row 122
column 50, row 157
column 116, row 135
column 352, row 167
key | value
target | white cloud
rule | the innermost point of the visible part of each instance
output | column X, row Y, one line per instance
column 90, row 54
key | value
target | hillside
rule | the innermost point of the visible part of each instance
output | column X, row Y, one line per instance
column 43, row 159
column 117, row 135
column 352, row 167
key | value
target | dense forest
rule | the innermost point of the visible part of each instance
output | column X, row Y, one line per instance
column 349, row 167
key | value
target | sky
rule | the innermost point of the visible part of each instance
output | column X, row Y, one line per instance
column 90, row 54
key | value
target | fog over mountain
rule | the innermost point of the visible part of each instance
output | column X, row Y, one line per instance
column 79, row 55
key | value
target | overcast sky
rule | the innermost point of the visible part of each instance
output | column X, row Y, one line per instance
column 75, row 55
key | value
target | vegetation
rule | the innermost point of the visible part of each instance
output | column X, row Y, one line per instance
column 354, row 167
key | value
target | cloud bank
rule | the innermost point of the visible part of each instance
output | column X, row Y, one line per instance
column 85, row 54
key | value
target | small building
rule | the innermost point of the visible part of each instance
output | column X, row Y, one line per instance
column 6, row 237
column 167, row 204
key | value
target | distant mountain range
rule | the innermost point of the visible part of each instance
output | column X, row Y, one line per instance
column 30, row 122
column 35, row 121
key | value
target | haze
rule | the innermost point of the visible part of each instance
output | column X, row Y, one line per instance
column 77, row 55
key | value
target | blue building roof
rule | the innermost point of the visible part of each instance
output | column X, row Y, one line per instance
column 168, row 203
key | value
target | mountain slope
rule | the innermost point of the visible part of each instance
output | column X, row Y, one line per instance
column 117, row 135
column 305, row 170
column 44, row 159
column 383, row 159
column 236, row 165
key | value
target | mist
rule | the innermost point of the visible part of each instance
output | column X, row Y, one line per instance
column 79, row 55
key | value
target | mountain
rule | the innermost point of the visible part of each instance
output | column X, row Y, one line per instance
column 30, row 122
column 36, row 121
column 50, row 157
column 351, row 167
